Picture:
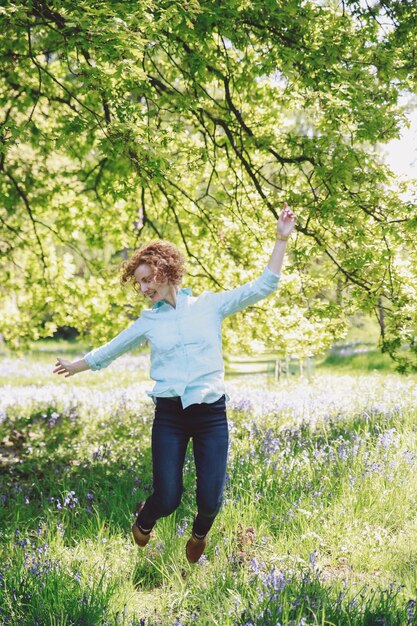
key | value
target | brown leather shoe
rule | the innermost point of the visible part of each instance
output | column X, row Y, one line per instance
column 195, row 548
column 140, row 538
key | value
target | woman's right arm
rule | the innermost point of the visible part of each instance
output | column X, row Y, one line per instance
column 101, row 357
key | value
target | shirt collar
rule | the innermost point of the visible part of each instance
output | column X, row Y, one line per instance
column 185, row 291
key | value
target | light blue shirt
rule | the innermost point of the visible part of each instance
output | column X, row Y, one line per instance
column 186, row 341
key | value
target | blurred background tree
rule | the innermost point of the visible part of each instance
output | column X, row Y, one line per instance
column 193, row 121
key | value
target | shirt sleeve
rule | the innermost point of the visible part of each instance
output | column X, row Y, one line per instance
column 229, row 302
column 128, row 339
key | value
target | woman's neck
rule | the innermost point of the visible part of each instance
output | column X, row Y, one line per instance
column 172, row 296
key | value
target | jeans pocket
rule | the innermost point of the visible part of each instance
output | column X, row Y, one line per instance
column 218, row 405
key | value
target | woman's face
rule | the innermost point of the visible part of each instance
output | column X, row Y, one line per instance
column 144, row 276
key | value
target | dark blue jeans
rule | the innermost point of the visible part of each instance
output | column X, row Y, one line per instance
column 173, row 427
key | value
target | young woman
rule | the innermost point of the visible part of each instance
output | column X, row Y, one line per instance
column 184, row 332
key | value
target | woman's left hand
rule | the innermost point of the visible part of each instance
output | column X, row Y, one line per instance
column 286, row 221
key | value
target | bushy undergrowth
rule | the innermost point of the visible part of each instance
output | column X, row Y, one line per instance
column 318, row 524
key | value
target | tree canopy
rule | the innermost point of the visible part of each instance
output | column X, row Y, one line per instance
column 194, row 121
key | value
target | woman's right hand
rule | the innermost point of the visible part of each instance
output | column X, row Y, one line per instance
column 63, row 366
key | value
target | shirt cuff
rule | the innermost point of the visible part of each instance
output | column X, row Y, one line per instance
column 269, row 272
column 89, row 359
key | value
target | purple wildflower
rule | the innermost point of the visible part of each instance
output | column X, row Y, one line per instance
column 312, row 559
column 411, row 606
column 181, row 528
column 53, row 419
column 275, row 580
column 70, row 500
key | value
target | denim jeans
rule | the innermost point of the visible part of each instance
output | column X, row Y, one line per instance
column 173, row 426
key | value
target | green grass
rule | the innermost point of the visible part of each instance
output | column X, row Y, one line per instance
column 372, row 360
column 318, row 521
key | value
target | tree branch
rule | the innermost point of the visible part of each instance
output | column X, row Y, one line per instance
column 29, row 210
column 184, row 239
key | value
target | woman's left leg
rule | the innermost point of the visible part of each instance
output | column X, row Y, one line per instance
column 210, row 446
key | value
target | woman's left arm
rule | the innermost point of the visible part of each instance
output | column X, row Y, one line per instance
column 233, row 300
column 285, row 226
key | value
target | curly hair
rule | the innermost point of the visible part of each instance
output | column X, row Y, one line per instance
column 163, row 258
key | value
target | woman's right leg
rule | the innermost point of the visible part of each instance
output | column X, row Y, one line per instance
column 169, row 445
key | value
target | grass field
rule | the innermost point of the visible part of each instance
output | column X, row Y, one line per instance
column 318, row 524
